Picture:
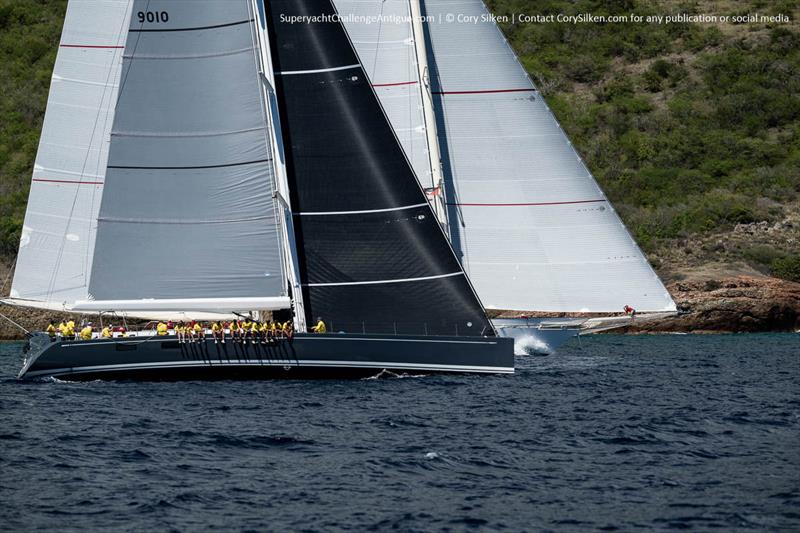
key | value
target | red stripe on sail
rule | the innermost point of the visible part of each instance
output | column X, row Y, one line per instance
column 68, row 181
column 487, row 91
column 88, row 46
column 394, row 84
column 532, row 203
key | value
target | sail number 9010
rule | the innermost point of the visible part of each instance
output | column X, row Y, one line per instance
column 153, row 16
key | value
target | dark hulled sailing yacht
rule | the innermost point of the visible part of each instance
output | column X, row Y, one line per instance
column 240, row 163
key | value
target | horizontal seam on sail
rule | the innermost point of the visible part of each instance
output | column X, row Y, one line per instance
column 382, row 281
column 184, row 134
column 90, row 46
column 192, row 167
column 57, row 77
column 316, row 71
column 487, row 91
column 528, row 180
column 188, row 56
column 39, row 168
column 181, row 221
column 39, row 180
column 196, row 28
column 529, row 203
column 395, row 84
column 622, row 259
column 365, row 211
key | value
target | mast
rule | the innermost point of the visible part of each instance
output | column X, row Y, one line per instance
column 267, row 78
column 418, row 32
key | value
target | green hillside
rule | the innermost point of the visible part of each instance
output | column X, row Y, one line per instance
column 690, row 129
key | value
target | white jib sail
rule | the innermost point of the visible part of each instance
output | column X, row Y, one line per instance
column 534, row 230
column 382, row 35
column 55, row 254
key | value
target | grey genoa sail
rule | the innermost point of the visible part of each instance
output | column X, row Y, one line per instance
column 373, row 257
column 188, row 211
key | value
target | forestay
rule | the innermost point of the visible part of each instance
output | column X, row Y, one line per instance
column 382, row 36
column 55, row 254
column 373, row 257
column 532, row 227
column 188, row 210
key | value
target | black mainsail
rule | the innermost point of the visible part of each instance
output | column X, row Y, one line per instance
column 373, row 257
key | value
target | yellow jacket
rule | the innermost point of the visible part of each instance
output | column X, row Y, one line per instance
column 86, row 333
column 161, row 329
column 320, row 327
column 106, row 333
column 51, row 330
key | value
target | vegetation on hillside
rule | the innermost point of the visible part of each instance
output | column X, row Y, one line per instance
column 689, row 128
column 29, row 36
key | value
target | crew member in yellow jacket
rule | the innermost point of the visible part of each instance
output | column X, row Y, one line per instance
column 106, row 332
column 86, row 333
column 320, row 327
column 51, row 330
column 161, row 328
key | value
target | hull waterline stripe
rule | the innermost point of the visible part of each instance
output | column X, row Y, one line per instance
column 89, row 46
column 39, row 180
column 366, row 211
column 142, row 30
column 192, row 168
column 395, row 84
column 377, row 282
column 292, row 363
column 316, row 71
column 530, row 203
column 487, row 91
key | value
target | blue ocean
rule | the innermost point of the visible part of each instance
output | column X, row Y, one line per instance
column 619, row 433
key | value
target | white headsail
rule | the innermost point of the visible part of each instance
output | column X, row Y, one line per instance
column 534, row 230
column 382, row 35
column 55, row 254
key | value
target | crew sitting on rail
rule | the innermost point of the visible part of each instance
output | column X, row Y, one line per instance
column 245, row 329
column 199, row 332
column 69, row 330
column 106, row 332
column 320, row 327
column 217, row 332
column 180, row 331
column 51, row 331
column 86, row 332
column 263, row 332
column 161, row 329
column 254, row 329
column 288, row 329
column 61, row 327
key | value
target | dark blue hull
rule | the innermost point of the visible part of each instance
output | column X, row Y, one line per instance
column 332, row 355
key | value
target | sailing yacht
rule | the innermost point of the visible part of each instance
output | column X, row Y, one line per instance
column 534, row 232
column 211, row 156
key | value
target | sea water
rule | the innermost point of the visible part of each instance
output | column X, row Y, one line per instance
column 612, row 432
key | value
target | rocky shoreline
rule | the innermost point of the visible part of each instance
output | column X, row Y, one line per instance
column 731, row 304
column 735, row 304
